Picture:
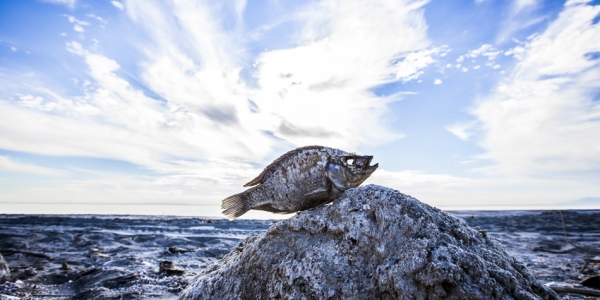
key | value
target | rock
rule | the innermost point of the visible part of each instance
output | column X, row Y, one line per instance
column 170, row 268
column 4, row 270
column 102, row 277
column 178, row 250
column 65, row 266
column 591, row 281
column 372, row 243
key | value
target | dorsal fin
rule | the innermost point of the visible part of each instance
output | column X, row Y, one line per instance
column 273, row 166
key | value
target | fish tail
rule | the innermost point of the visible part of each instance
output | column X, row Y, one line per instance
column 235, row 206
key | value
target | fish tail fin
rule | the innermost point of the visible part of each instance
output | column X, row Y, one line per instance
column 235, row 206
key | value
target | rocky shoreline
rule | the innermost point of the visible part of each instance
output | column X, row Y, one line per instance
column 137, row 257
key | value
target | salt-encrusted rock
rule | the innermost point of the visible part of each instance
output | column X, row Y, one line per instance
column 373, row 243
column 4, row 270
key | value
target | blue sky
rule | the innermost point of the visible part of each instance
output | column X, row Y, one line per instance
column 167, row 107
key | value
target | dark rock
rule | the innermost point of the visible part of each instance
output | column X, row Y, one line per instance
column 372, row 243
column 591, row 281
column 97, row 293
column 108, row 278
column 170, row 268
column 65, row 266
column 178, row 250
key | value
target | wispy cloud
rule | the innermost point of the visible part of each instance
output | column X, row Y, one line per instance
column 77, row 24
column 345, row 49
column 520, row 16
column 69, row 3
column 118, row 5
column 543, row 119
column 462, row 130
column 447, row 191
column 197, row 120
column 9, row 165
column 485, row 50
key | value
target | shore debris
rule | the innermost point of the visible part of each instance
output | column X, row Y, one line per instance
column 566, row 288
column 177, row 250
column 36, row 254
column 65, row 266
column 169, row 267
column 591, row 281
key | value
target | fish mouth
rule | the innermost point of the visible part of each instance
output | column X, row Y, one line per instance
column 364, row 162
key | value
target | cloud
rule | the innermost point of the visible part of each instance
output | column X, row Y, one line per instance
column 197, row 121
column 462, row 130
column 437, row 81
column 188, row 116
column 447, row 191
column 486, row 50
column 520, row 16
column 78, row 24
column 68, row 3
column 9, row 165
column 344, row 50
column 543, row 118
column 118, row 5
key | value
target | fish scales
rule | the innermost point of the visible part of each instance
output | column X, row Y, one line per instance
column 301, row 179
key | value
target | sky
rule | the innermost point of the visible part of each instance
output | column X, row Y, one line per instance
column 167, row 107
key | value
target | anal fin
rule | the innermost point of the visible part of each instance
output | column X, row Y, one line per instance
column 269, row 208
column 317, row 192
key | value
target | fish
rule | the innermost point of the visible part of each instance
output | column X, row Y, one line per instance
column 301, row 179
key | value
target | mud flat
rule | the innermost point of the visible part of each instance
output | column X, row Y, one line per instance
column 146, row 257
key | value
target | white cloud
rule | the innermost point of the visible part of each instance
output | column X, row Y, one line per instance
column 76, row 21
column 69, row 3
column 521, row 16
column 412, row 65
column 437, row 81
column 520, row 5
column 78, row 28
column 462, row 130
column 94, row 16
column 118, row 5
column 517, row 52
column 414, row 178
column 542, row 119
column 207, row 121
column 345, row 49
column 486, row 50
column 13, row 49
column 78, row 24
column 9, row 165
column 448, row 191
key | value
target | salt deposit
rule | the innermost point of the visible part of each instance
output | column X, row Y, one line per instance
column 373, row 243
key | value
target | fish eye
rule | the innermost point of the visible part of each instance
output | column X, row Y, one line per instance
column 350, row 160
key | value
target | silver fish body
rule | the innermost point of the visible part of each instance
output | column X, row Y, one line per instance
column 301, row 179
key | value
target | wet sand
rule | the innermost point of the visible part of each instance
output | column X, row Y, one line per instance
column 138, row 257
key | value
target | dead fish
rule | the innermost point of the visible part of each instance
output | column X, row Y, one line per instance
column 301, row 179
